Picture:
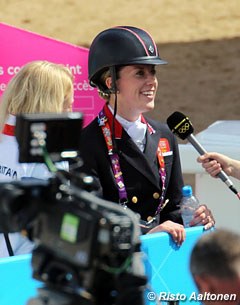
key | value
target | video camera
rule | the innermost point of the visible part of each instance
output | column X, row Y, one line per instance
column 87, row 249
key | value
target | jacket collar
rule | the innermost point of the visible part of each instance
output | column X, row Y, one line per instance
column 118, row 126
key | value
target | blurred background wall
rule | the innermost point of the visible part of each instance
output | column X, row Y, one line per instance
column 199, row 39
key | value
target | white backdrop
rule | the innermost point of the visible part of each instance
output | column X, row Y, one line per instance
column 222, row 137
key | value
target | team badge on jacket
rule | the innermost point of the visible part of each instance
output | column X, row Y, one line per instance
column 165, row 147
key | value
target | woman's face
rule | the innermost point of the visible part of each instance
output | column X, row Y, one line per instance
column 137, row 86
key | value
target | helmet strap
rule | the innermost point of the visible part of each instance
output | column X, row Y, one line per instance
column 113, row 90
column 113, row 74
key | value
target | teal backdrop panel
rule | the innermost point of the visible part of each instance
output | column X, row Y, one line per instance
column 167, row 267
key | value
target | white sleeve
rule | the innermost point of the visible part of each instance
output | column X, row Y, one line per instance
column 40, row 170
column 19, row 243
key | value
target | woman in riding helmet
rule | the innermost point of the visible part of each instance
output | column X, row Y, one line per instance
column 135, row 158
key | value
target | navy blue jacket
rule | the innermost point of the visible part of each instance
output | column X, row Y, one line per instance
column 140, row 170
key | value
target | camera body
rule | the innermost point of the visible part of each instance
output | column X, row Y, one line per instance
column 83, row 243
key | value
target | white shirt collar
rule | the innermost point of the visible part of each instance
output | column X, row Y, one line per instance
column 125, row 123
column 136, row 130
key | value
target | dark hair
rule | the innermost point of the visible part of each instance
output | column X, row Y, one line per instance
column 218, row 254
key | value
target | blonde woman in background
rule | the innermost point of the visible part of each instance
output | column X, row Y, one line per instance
column 39, row 87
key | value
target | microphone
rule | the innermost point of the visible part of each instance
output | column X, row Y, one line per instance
column 181, row 126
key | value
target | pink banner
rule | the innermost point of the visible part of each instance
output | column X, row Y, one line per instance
column 18, row 46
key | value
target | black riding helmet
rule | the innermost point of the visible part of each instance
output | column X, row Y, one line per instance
column 120, row 46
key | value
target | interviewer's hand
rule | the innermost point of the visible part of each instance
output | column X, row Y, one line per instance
column 176, row 230
column 203, row 216
column 213, row 163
